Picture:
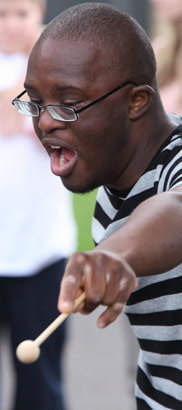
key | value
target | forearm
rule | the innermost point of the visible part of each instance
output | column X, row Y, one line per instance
column 151, row 239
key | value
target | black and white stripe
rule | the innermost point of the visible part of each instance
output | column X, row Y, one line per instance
column 155, row 307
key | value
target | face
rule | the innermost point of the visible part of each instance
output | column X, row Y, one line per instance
column 94, row 150
column 18, row 20
column 168, row 9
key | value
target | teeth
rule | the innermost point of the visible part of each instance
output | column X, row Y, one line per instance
column 55, row 146
column 61, row 160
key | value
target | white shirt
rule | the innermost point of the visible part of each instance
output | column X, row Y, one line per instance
column 37, row 225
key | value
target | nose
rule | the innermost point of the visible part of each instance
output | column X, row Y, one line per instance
column 47, row 123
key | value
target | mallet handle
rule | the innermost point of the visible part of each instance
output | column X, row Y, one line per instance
column 57, row 322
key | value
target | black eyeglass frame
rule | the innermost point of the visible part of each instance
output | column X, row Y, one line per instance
column 76, row 111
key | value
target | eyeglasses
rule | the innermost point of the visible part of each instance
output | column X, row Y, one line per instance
column 59, row 112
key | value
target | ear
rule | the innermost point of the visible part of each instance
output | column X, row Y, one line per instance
column 140, row 99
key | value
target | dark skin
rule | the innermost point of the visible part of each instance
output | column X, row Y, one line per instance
column 129, row 127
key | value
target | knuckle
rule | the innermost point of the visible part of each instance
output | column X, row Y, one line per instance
column 77, row 263
column 117, row 308
column 100, row 259
column 80, row 257
column 87, row 269
column 124, row 283
column 97, row 297
column 128, row 281
column 108, row 277
column 70, row 279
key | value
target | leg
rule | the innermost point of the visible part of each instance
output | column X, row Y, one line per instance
column 33, row 308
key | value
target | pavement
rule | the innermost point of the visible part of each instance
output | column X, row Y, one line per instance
column 99, row 366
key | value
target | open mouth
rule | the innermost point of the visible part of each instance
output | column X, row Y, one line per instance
column 62, row 160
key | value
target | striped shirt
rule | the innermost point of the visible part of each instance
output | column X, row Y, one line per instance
column 154, row 309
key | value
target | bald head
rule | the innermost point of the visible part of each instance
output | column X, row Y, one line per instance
column 119, row 37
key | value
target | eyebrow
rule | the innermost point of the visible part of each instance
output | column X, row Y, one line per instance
column 66, row 87
column 30, row 87
column 55, row 88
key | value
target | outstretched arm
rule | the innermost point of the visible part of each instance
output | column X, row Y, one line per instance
column 149, row 243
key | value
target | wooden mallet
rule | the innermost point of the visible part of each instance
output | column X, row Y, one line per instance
column 28, row 351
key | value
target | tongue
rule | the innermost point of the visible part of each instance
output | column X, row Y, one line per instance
column 68, row 155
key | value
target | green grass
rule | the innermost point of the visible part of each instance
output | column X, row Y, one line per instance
column 83, row 209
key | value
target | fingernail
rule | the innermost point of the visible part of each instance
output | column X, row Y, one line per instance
column 66, row 306
column 101, row 325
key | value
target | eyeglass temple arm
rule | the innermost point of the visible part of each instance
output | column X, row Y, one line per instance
column 18, row 96
column 106, row 95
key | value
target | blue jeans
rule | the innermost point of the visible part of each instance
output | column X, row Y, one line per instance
column 29, row 305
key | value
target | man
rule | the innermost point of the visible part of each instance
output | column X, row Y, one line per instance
column 97, row 111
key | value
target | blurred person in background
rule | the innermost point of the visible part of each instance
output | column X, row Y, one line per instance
column 167, row 42
column 38, row 230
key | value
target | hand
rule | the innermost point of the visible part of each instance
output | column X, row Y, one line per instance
column 106, row 279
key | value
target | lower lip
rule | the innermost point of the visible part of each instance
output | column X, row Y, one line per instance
column 61, row 170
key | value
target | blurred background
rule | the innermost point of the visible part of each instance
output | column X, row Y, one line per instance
column 100, row 365
column 137, row 8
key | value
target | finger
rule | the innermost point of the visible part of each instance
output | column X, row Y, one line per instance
column 80, row 307
column 110, row 315
column 71, row 283
column 127, row 285
column 95, row 283
column 89, row 304
column 81, row 304
column 112, row 286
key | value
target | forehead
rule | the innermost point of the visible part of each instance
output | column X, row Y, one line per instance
column 66, row 61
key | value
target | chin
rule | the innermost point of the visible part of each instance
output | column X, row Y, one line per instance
column 78, row 187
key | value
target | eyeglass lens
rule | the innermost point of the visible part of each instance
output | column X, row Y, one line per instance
column 57, row 112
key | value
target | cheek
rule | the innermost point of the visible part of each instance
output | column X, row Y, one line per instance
column 94, row 125
column 90, row 137
column 101, row 132
column 97, row 143
column 36, row 128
